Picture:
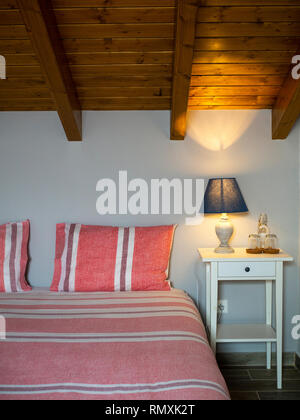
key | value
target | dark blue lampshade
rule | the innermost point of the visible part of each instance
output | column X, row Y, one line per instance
column 223, row 195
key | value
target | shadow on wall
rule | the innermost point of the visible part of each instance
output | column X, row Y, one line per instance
column 217, row 131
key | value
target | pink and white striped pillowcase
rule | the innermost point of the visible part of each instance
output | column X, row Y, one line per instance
column 14, row 257
column 98, row 258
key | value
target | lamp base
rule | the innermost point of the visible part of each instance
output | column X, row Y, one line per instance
column 224, row 250
column 224, row 231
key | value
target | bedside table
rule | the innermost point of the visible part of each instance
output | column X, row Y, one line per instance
column 241, row 266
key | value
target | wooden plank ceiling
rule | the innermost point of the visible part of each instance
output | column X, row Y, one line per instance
column 121, row 54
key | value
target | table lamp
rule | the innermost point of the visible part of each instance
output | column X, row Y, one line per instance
column 223, row 195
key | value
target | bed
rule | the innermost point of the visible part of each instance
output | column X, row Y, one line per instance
column 106, row 346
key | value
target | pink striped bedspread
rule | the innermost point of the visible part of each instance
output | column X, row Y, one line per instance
column 106, row 346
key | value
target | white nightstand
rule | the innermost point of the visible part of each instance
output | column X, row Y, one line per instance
column 241, row 266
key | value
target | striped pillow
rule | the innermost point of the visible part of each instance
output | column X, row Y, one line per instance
column 14, row 257
column 97, row 258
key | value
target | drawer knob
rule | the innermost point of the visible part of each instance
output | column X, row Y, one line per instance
column 247, row 269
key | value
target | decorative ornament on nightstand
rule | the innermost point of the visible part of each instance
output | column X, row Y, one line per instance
column 223, row 195
column 263, row 242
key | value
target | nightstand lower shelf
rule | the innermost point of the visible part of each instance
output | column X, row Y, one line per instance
column 246, row 334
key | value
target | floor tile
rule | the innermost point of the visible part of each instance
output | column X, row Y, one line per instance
column 236, row 373
column 260, row 385
column 244, row 396
column 257, row 383
column 279, row 396
column 288, row 374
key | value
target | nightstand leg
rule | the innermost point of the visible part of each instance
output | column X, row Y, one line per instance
column 279, row 320
column 214, row 306
column 208, row 299
column 269, row 303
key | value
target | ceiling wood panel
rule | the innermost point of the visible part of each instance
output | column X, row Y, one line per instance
column 11, row 17
column 237, row 100
column 238, row 80
column 145, row 30
column 21, row 60
column 114, row 15
column 126, row 103
column 249, row 14
column 125, row 92
column 8, row 4
column 247, row 44
column 23, row 71
column 15, row 46
column 268, row 29
column 112, row 3
column 121, row 69
column 119, row 45
column 239, row 57
column 227, row 107
column 20, row 83
column 222, row 91
column 250, row 3
column 239, row 69
column 31, row 92
column 123, row 81
column 121, row 58
column 26, row 104
column 13, row 32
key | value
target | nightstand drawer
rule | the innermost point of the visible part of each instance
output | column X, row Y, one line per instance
column 247, row 269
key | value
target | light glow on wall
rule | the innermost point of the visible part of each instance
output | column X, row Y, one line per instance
column 217, row 131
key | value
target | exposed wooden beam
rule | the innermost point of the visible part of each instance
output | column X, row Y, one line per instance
column 185, row 41
column 41, row 26
column 287, row 108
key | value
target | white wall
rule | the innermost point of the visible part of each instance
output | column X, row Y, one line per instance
column 48, row 180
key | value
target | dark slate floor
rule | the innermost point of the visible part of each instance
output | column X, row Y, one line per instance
column 256, row 383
